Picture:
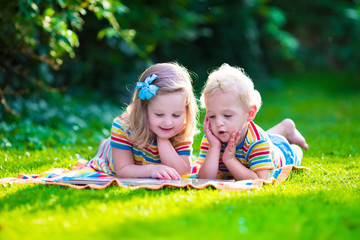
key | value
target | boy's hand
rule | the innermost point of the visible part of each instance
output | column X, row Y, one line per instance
column 212, row 139
column 230, row 149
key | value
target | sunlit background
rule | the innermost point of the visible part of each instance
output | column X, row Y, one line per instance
column 65, row 63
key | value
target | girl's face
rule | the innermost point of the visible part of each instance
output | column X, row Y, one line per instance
column 226, row 114
column 167, row 114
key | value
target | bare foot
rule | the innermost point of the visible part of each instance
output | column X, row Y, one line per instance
column 288, row 129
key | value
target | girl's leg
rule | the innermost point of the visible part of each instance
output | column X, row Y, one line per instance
column 288, row 129
column 101, row 143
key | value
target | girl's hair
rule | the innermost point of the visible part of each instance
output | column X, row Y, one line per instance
column 232, row 79
column 172, row 78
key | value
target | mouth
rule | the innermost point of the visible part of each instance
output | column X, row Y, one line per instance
column 166, row 129
column 221, row 133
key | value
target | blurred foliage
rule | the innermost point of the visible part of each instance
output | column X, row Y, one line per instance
column 54, row 51
column 63, row 121
column 328, row 33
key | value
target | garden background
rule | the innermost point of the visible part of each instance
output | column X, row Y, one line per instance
column 68, row 67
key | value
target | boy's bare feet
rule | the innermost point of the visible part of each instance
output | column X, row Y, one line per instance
column 288, row 129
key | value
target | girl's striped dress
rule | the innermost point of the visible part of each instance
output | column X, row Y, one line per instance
column 103, row 160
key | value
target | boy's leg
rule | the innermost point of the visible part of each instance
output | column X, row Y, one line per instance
column 298, row 152
column 288, row 129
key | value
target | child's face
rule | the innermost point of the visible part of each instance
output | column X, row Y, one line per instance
column 166, row 114
column 226, row 114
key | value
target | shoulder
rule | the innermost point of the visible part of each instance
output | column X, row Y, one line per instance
column 120, row 124
column 183, row 145
column 255, row 134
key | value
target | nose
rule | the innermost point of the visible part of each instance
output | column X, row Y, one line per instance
column 219, row 122
column 167, row 122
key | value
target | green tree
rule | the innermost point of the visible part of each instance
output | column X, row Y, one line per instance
column 36, row 36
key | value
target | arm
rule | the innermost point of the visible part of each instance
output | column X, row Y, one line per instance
column 125, row 167
column 123, row 158
column 169, row 157
column 210, row 167
column 239, row 171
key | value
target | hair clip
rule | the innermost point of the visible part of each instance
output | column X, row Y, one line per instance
column 147, row 90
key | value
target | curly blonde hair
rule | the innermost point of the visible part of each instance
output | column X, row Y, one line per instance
column 172, row 78
column 232, row 79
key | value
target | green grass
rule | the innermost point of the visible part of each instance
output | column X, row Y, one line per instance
column 322, row 203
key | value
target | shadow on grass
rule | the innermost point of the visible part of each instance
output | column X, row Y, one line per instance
column 177, row 213
column 46, row 197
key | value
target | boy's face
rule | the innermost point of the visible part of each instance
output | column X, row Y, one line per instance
column 226, row 114
column 166, row 114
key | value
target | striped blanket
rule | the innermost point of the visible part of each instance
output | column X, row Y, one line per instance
column 81, row 177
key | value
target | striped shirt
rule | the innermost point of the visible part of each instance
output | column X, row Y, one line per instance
column 256, row 152
column 103, row 160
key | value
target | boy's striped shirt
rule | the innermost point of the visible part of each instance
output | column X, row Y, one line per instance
column 256, row 152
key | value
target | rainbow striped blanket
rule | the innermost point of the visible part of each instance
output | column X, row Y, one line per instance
column 81, row 177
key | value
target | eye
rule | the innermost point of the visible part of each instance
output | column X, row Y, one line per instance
column 227, row 115
column 176, row 115
column 159, row 114
column 211, row 117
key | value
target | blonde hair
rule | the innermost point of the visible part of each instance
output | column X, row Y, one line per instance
column 232, row 79
column 172, row 78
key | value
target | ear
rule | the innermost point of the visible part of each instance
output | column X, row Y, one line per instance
column 252, row 113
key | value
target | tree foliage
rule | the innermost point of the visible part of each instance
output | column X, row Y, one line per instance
column 37, row 35
column 51, row 50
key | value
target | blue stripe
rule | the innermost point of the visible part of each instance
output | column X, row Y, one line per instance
column 142, row 154
column 117, row 125
column 261, row 161
column 277, row 172
column 185, row 152
column 119, row 146
column 202, row 155
column 240, row 155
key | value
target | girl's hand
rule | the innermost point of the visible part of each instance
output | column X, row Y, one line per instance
column 164, row 172
column 230, row 149
column 212, row 139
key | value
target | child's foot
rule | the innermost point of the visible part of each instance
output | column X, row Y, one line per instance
column 293, row 135
column 288, row 129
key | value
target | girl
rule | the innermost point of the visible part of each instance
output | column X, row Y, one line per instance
column 233, row 145
column 153, row 138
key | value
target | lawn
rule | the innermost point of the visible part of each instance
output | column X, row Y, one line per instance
column 322, row 203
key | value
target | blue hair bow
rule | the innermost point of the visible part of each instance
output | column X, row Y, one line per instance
column 147, row 91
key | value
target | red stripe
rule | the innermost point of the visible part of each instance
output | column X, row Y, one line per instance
column 255, row 130
column 259, row 154
column 116, row 139
column 181, row 148
column 151, row 151
column 204, row 148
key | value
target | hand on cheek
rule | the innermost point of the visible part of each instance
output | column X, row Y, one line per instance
column 230, row 150
column 212, row 139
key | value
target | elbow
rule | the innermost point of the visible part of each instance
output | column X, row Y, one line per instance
column 122, row 172
column 185, row 171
